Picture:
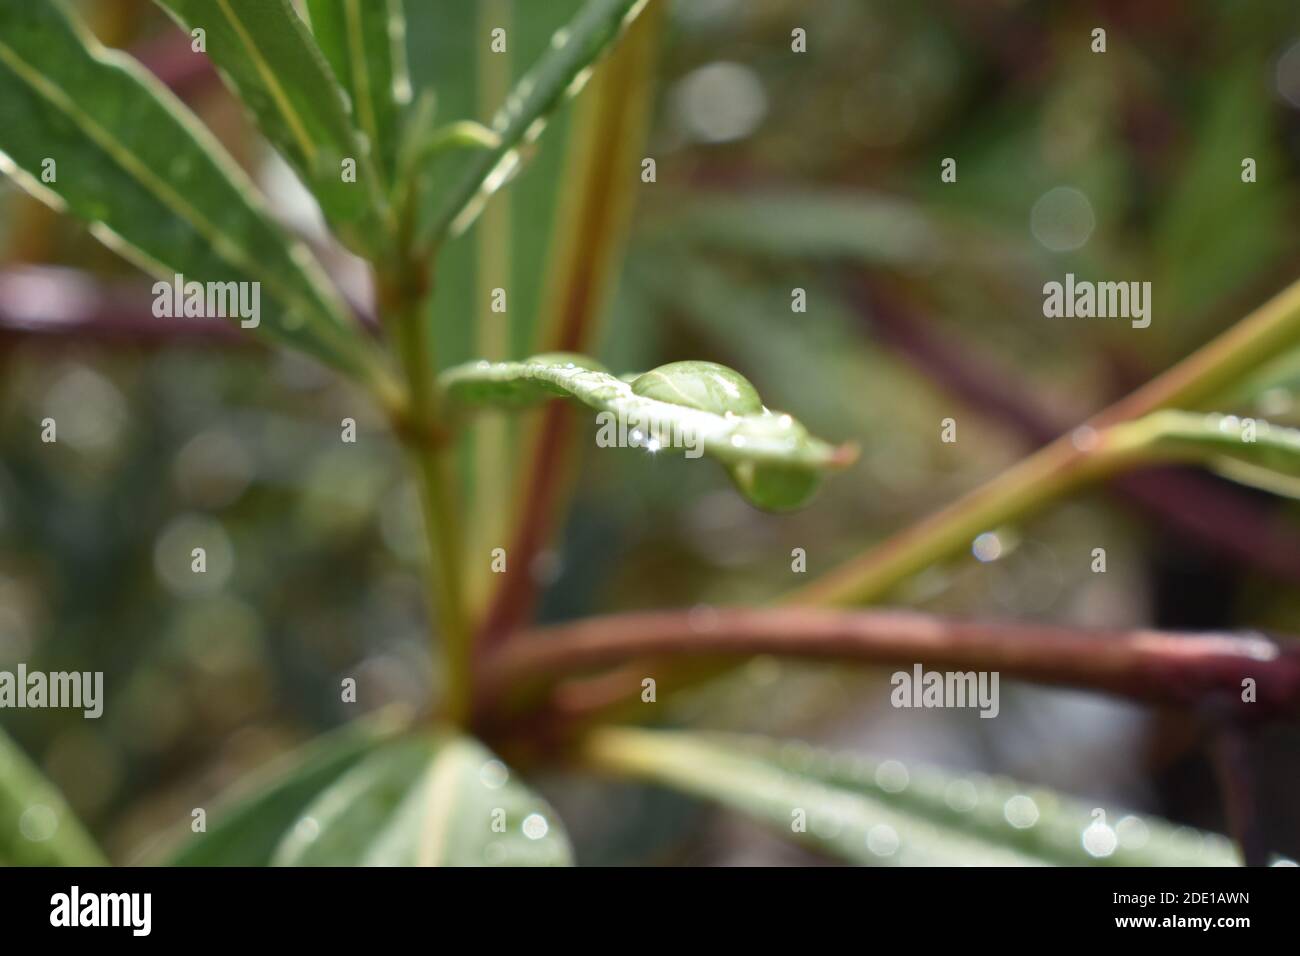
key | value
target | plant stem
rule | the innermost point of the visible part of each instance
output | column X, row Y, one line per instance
column 429, row 451
column 1017, row 491
column 1164, row 668
column 1198, row 509
column 1060, row 466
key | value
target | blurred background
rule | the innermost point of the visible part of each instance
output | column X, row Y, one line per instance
column 774, row 171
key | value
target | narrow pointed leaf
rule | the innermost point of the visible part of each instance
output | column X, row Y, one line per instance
column 426, row 801
column 365, row 44
column 1249, row 451
column 266, row 54
column 839, row 822
column 561, row 72
column 687, row 406
column 37, row 828
column 1028, row 819
column 849, row 225
column 245, row 828
column 881, row 813
column 151, row 182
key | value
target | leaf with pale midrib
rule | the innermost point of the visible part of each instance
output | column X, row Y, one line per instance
column 245, row 829
column 266, row 54
column 365, row 44
column 977, row 804
column 152, row 182
column 854, row 811
column 430, row 800
column 559, row 73
column 784, row 226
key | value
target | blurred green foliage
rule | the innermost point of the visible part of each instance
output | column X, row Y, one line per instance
column 828, row 172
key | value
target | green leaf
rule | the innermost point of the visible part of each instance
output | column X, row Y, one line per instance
column 266, row 55
column 247, row 829
column 365, row 44
column 1064, row 830
column 560, row 73
column 1246, row 450
column 153, row 184
column 37, row 828
column 881, row 812
column 689, row 406
column 848, row 225
column 426, row 801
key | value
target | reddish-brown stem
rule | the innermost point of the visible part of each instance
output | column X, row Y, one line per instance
column 171, row 58
column 512, row 602
column 1164, row 668
column 68, row 307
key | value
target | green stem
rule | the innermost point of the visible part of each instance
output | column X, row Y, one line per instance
column 1065, row 463
column 430, row 453
column 1016, row 491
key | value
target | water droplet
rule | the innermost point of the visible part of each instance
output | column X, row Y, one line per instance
column 306, row 830
column 892, row 776
column 1099, row 840
column 493, row 775
column 535, row 826
column 1084, row 438
column 882, row 840
column 1021, row 812
column 720, row 102
column 1132, row 833
column 987, row 547
column 1062, row 220
column 38, row 823
column 706, row 386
